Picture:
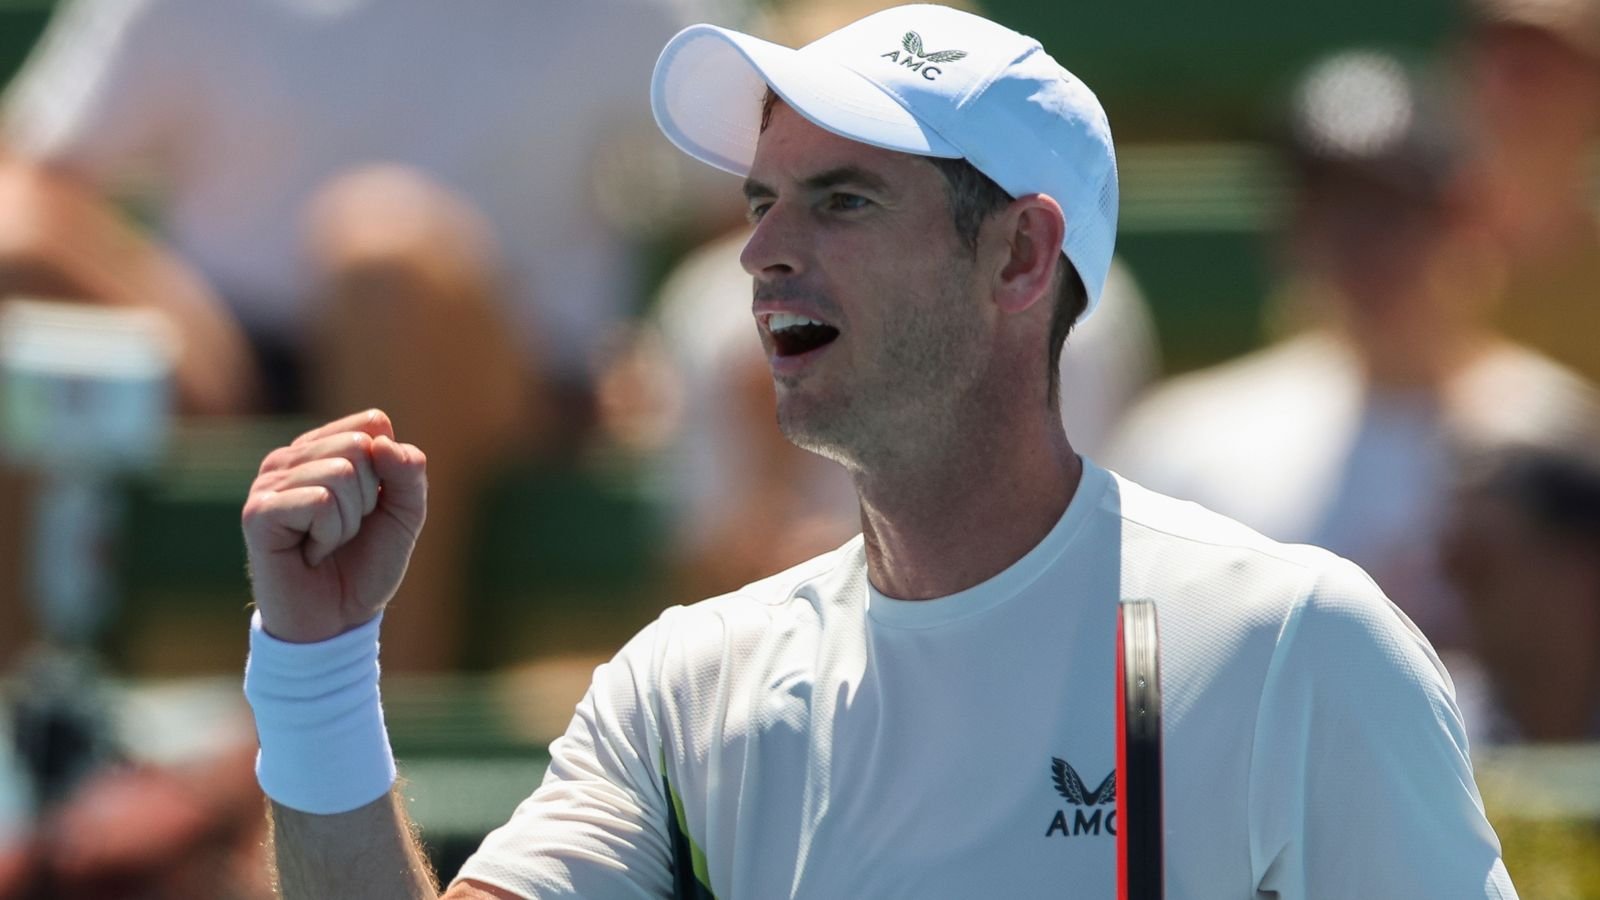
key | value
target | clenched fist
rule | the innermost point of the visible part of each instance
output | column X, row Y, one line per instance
column 330, row 524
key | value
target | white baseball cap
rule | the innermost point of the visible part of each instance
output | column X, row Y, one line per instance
column 920, row 79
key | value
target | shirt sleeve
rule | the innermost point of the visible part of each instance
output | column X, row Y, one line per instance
column 597, row 826
column 102, row 93
column 1362, row 784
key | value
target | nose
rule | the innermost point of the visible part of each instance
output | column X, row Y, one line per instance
column 774, row 248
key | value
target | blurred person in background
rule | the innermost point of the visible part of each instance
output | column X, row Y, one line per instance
column 1523, row 548
column 730, row 474
column 352, row 203
column 1532, row 73
column 141, row 832
column 1340, row 435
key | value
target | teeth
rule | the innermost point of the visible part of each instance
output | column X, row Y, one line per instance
column 781, row 321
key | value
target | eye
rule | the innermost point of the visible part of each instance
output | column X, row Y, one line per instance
column 839, row 202
column 756, row 211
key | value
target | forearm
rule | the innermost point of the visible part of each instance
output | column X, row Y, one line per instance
column 339, row 829
column 372, row 852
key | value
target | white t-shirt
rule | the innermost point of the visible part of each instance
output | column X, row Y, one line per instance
column 808, row 737
column 235, row 112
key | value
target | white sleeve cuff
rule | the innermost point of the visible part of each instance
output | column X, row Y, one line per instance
column 319, row 720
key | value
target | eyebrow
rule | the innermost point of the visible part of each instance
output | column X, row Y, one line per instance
column 832, row 178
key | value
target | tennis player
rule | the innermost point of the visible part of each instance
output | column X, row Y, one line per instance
column 926, row 711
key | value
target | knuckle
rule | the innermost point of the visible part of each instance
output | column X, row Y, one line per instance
column 259, row 510
column 273, row 461
column 267, row 481
column 252, row 512
column 327, row 520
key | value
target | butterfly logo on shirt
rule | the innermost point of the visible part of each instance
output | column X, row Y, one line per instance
column 1088, row 818
column 1070, row 786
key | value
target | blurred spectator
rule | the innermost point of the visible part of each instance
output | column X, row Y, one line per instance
column 149, row 833
column 1340, row 436
column 354, row 203
column 1523, row 547
column 110, row 792
column 1532, row 71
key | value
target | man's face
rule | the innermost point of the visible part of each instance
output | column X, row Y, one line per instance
column 860, row 240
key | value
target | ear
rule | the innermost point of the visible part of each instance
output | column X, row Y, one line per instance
column 1026, row 243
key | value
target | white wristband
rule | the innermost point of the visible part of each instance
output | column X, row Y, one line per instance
column 319, row 719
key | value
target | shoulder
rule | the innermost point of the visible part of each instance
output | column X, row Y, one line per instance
column 1317, row 631
column 1154, row 524
column 1227, row 579
column 1516, row 395
column 802, row 585
column 686, row 672
column 1352, row 639
column 687, row 643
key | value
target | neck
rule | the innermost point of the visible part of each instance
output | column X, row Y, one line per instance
column 990, row 497
column 1426, row 340
column 1427, row 364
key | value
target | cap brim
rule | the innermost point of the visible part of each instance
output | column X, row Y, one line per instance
column 708, row 84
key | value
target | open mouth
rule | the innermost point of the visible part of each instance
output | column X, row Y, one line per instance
column 793, row 335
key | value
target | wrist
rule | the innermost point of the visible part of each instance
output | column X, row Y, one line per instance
column 302, row 629
column 319, row 719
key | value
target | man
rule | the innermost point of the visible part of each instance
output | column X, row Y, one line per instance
column 886, row 719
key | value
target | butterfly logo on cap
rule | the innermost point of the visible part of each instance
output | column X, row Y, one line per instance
column 913, row 44
column 918, row 60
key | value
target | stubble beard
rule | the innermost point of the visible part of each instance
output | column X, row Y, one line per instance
column 915, row 391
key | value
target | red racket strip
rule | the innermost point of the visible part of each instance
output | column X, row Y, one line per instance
column 1140, row 862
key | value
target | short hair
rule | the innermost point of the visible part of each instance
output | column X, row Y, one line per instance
column 974, row 197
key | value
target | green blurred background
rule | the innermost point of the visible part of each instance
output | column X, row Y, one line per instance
column 1192, row 91
column 568, row 561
